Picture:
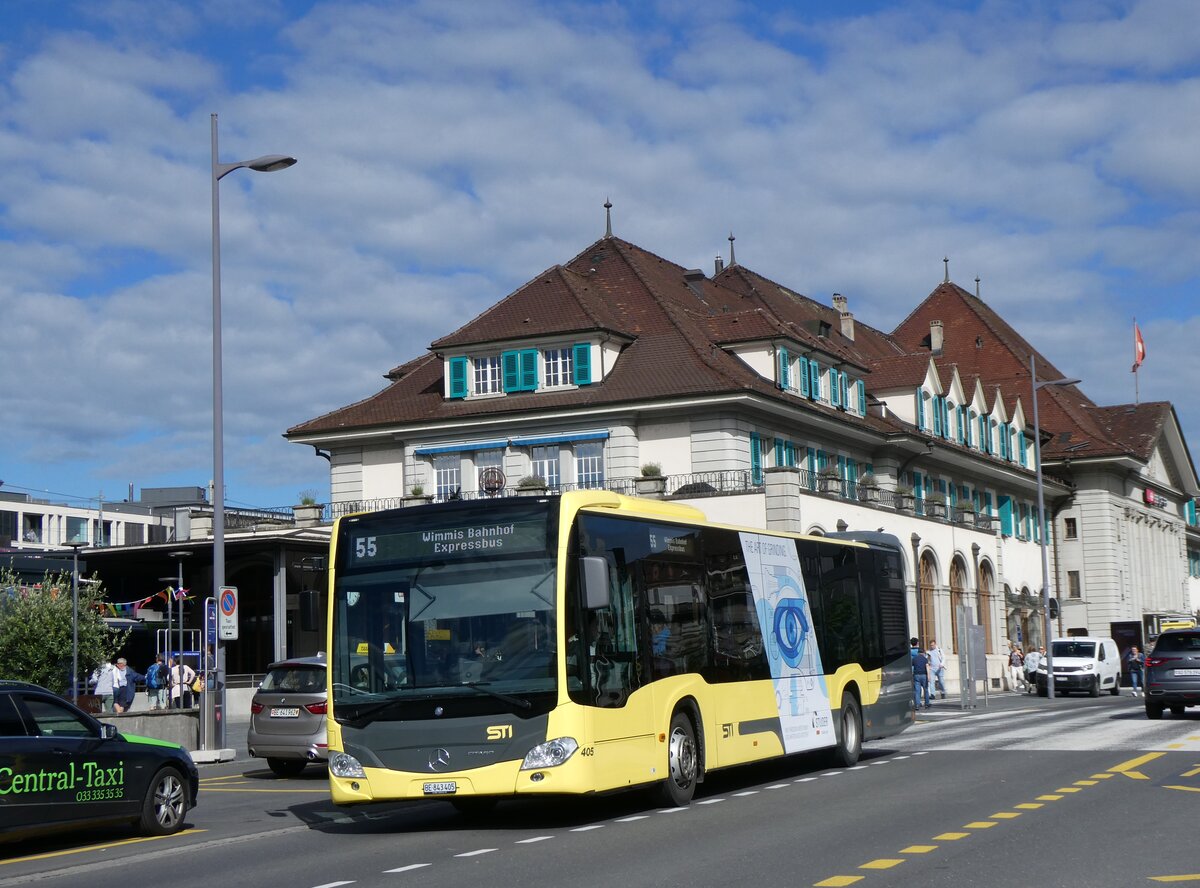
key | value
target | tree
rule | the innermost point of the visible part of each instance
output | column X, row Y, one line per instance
column 35, row 630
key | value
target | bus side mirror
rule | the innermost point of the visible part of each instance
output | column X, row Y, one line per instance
column 595, row 582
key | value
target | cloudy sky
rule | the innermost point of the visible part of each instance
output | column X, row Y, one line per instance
column 448, row 152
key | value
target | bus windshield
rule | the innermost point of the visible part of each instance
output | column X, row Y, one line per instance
column 448, row 602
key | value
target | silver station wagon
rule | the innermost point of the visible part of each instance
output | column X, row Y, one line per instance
column 287, row 716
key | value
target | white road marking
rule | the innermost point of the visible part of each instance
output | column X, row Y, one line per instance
column 476, row 853
column 531, row 841
column 633, row 818
column 410, row 867
column 588, row 828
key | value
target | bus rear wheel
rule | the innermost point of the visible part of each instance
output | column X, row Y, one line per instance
column 683, row 764
column 849, row 741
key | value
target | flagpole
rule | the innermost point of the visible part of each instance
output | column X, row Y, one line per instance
column 1136, row 364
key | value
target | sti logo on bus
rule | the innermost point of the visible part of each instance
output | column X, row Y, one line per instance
column 499, row 732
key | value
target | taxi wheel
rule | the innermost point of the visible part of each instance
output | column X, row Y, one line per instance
column 165, row 805
column 286, row 767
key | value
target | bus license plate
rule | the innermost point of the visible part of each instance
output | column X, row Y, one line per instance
column 285, row 712
column 442, row 787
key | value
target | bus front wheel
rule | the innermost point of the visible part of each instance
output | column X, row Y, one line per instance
column 849, row 742
column 682, row 763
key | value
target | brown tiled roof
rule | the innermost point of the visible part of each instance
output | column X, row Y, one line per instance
column 674, row 324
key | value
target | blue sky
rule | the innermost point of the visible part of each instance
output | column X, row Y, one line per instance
column 451, row 151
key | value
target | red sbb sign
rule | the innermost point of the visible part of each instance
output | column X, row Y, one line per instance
column 1151, row 498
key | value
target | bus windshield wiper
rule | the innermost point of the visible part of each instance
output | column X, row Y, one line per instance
column 512, row 701
column 362, row 717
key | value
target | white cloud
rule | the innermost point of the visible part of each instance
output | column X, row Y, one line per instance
column 449, row 152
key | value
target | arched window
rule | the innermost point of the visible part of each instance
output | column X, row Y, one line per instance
column 958, row 585
column 925, row 609
column 984, row 599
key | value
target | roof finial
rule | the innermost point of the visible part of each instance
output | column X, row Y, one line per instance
column 976, row 286
column 947, row 261
column 732, row 258
column 607, row 217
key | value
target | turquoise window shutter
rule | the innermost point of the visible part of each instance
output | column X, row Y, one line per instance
column 756, row 474
column 779, row 451
column 920, row 411
column 835, row 388
column 945, row 418
column 844, row 384
column 784, row 368
column 529, row 370
column 789, row 453
column 1191, row 512
column 862, row 397
column 458, row 377
column 812, row 469
column 582, row 363
column 1006, row 516
column 918, row 486
column 822, row 460
column 804, row 376
column 1021, row 450
column 814, row 379
column 510, row 365
column 937, row 417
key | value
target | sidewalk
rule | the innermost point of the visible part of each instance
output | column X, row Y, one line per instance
column 996, row 701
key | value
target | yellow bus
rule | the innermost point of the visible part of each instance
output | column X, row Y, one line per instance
column 592, row 642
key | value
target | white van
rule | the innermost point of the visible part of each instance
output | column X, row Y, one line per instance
column 1084, row 663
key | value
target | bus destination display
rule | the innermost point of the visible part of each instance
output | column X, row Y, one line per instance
column 463, row 541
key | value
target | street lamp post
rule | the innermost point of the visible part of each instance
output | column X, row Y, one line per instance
column 266, row 164
column 1042, row 531
column 75, row 546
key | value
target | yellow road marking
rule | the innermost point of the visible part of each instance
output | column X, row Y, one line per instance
column 226, row 777
column 1067, row 789
column 1127, row 768
column 1191, row 773
column 1086, row 782
column 1193, row 877
column 1006, row 815
column 102, row 846
column 837, row 881
column 1049, row 798
column 1101, row 776
column 918, row 849
column 1186, row 788
column 951, row 836
column 1174, row 746
column 1029, row 806
column 883, row 863
column 981, row 824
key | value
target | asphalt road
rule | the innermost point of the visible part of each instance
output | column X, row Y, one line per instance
column 1028, row 792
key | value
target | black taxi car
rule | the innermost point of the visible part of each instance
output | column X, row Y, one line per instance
column 62, row 769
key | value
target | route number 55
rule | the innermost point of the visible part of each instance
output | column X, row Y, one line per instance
column 364, row 547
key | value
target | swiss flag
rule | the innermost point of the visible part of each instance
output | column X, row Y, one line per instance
column 1139, row 347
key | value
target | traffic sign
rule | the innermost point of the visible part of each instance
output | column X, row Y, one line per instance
column 227, row 618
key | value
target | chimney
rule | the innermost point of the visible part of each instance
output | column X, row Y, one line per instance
column 839, row 302
column 847, row 324
column 719, row 265
column 935, row 337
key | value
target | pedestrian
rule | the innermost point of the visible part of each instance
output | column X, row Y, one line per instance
column 105, row 680
column 182, row 676
column 1136, row 662
column 1033, row 659
column 920, row 667
column 156, row 683
column 1016, row 668
column 937, row 668
column 127, row 684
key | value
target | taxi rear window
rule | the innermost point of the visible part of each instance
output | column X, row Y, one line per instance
column 295, row 680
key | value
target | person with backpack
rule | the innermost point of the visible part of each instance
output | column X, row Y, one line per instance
column 920, row 667
column 156, row 683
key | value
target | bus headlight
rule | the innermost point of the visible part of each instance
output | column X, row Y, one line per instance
column 343, row 765
column 550, row 754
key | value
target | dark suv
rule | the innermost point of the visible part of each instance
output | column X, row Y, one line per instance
column 1173, row 673
column 61, row 769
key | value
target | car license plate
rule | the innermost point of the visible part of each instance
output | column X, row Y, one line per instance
column 442, row 787
column 285, row 712
column 1187, row 671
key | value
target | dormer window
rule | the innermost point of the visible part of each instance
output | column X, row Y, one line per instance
column 487, row 375
column 558, row 367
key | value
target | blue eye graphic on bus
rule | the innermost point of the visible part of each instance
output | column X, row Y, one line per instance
column 791, row 630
